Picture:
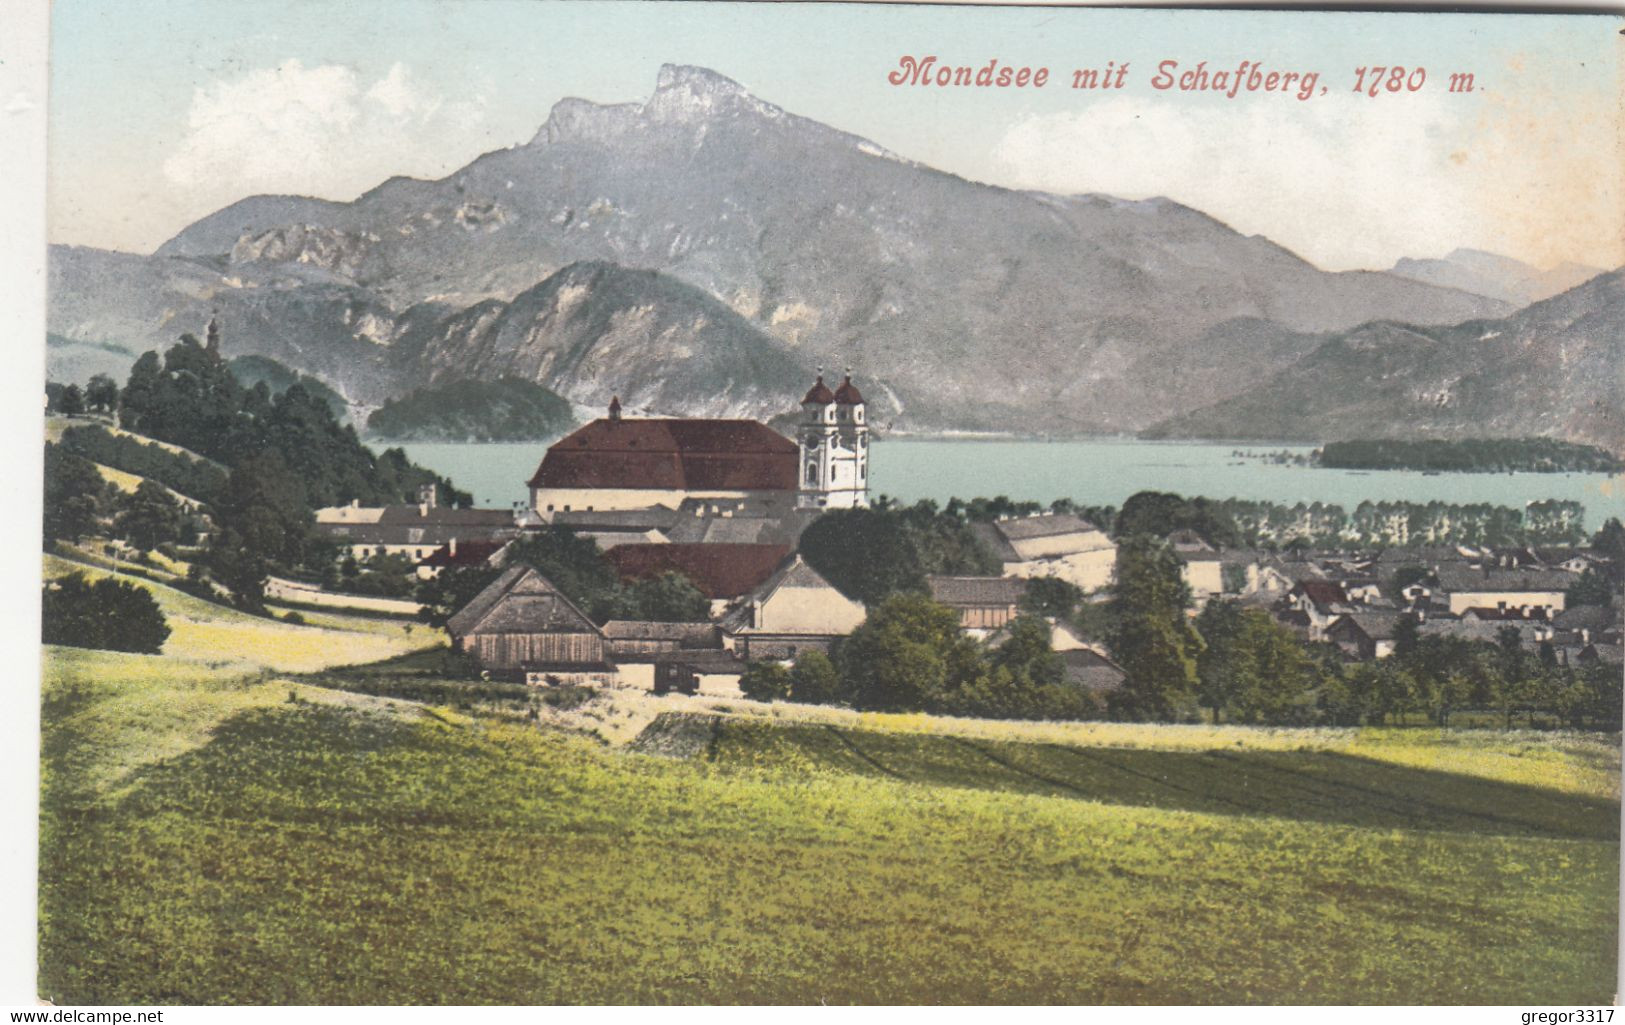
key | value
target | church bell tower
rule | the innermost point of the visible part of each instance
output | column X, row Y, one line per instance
column 833, row 439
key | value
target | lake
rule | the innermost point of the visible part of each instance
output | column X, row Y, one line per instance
column 1097, row 472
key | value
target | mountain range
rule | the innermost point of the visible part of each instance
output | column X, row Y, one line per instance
column 701, row 251
column 1552, row 369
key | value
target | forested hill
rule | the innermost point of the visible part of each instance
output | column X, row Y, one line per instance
column 507, row 409
column 188, row 398
column 1475, row 455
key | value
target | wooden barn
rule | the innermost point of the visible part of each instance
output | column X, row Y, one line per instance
column 522, row 627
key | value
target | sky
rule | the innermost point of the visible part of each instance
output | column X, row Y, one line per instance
column 162, row 111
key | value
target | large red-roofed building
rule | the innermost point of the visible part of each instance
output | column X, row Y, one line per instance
column 621, row 463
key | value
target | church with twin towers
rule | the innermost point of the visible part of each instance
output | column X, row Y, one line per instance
column 621, row 463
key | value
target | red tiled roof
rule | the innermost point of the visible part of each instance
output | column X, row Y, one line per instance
column 819, row 393
column 847, row 394
column 671, row 454
column 718, row 570
column 1323, row 592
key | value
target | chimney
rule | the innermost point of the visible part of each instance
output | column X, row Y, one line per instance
column 426, row 497
column 614, row 407
column 451, row 548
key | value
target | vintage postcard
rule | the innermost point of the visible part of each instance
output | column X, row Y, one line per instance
column 729, row 503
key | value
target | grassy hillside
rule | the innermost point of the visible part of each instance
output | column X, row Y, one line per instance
column 219, row 636
column 207, row 839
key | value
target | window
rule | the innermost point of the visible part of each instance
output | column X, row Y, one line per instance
column 812, row 473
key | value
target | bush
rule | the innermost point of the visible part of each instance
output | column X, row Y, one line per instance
column 293, row 617
column 765, row 681
column 109, row 614
column 813, row 680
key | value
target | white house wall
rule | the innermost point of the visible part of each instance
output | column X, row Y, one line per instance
column 809, row 610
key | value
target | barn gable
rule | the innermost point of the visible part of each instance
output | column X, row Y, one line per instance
column 522, row 620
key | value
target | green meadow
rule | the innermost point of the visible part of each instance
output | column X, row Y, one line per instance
column 237, row 820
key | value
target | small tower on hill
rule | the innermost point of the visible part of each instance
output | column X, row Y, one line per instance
column 833, row 438
column 211, row 344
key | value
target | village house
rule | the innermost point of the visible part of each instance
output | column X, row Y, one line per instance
column 792, row 611
column 1051, row 545
column 1364, row 635
column 1320, row 602
column 1201, row 566
column 522, row 627
column 1259, row 573
column 455, row 555
column 415, row 531
column 983, row 603
column 635, row 646
column 711, row 674
column 1465, row 587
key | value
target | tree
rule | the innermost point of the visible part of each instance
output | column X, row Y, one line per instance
column 1026, row 652
column 1407, row 634
column 813, row 679
column 150, row 517
column 869, row 554
column 71, row 402
column 765, row 681
column 76, row 496
column 1591, row 589
column 1052, row 597
column 1610, row 540
column 440, row 597
column 1152, row 640
column 866, row 554
column 1270, row 672
column 907, row 656
column 667, row 598
column 108, row 614
column 101, row 394
column 1511, row 694
column 1220, row 626
column 1160, row 513
column 264, row 506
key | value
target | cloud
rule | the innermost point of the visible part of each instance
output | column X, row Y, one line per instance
column 1344, row 180
column 317, row 131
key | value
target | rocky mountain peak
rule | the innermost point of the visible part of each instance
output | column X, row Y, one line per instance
column 684, row 93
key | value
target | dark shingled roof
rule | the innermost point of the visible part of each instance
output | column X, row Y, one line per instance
column 1091, row 670
column 1466, row 580
column 978, row 591
column 1378, row 627
column 522, row 601
column 693, row 455
column 718, row 570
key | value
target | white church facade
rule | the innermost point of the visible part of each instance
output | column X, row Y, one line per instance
column 833, row 441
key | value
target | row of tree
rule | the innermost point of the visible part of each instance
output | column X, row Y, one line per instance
column 79, row 502
column 909, row 655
